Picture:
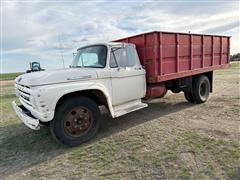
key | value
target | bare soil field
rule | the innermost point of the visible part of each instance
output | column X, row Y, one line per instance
column 7, row 82
column 171, row 139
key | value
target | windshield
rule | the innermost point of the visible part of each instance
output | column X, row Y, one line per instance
column 91, row 57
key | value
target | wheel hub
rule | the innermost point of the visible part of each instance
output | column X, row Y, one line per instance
column 78, row 121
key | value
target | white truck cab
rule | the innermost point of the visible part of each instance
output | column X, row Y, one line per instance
column 101, row 74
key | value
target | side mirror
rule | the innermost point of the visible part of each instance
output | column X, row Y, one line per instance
column 35, row 66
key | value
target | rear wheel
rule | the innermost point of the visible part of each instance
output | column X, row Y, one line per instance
column 201, row 89
column 76, row 121
column 189, row 97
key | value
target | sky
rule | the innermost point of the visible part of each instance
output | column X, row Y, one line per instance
column 49, row 31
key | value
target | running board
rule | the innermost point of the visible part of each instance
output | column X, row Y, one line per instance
column 128, row 107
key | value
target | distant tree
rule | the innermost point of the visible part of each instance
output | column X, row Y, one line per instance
column 235, row 57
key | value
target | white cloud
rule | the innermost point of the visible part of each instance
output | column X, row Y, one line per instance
column 38, row 30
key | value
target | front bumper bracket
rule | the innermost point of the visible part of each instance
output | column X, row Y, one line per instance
column 29, row 121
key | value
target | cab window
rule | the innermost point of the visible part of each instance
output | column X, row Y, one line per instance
column 121, row 57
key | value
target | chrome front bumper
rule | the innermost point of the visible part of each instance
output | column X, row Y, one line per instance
column 29, row 121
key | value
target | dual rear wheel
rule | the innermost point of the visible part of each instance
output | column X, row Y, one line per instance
column 200, row 90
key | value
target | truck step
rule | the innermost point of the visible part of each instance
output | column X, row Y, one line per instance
column 128, row 107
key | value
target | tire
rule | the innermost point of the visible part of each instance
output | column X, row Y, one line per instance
column 76, row 121
column 189, row 97
column 201, row 89
column 175, row 91
column 44, row 123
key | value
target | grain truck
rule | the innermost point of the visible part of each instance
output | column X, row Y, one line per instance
column 122, row 75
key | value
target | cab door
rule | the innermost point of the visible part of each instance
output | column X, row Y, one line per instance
column 127, row 75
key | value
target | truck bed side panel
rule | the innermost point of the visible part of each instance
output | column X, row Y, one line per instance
column 167, row 55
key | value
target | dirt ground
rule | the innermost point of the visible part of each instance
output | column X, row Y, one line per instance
column 7, row 83
column 171, row 139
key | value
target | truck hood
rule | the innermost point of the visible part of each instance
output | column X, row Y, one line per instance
column 56, row 76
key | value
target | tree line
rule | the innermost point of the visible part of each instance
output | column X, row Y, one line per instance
column 235, row 57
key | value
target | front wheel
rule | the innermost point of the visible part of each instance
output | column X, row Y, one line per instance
column 76, row 121
column 44, row 123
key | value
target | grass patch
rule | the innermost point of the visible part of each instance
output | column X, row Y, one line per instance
column 235, row 65
column 6, row 91
column 149, row 150
column 9, row 76
column 210, row 157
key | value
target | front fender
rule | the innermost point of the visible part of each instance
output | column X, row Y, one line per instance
column 55, row 92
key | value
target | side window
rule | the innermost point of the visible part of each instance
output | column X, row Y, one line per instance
column 124, row 57
column 118, row 57
column 131, row 56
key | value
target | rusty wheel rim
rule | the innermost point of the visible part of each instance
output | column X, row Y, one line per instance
column 78, row 121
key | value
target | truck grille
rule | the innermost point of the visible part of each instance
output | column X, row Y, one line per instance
column 24, row 94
